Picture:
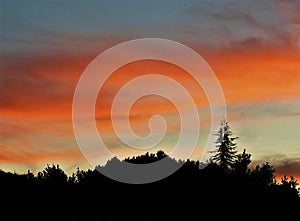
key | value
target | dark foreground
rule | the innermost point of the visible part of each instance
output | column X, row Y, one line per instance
column 189, row 194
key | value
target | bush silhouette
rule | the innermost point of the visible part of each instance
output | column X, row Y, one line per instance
column 53, row 175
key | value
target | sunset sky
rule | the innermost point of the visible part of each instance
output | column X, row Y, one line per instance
column 253, row 48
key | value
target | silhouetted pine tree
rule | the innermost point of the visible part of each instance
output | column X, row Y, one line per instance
column 226, row 148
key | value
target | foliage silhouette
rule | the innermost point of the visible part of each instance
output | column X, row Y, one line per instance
column 52, row 175
column 89, row 194
column 241, row 164
column 217, row 189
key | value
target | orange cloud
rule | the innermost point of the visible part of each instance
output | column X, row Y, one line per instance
column 264, row 74
column 37, row 92
column 35, row 85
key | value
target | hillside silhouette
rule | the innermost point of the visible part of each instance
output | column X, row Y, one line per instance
column 222, row 189
column 188, row 193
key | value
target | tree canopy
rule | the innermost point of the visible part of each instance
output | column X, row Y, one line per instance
column 220, row 189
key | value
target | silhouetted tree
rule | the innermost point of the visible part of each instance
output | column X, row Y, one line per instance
column 160, row 154
column 53, row 175
column 264, row 175
column 242, row 162
column 226, row 148
column 289, row 183
column 30, row 176
column 72, row 179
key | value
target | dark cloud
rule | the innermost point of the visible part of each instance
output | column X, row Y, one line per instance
column 283, row 165
column 289, row 9
column 249, row 24
column 289, row 166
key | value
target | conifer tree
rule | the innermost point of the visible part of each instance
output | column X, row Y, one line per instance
column 225, row 153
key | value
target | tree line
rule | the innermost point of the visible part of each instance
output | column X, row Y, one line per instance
column 220, row 188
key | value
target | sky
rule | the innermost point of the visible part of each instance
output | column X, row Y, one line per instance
column 252, row 47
